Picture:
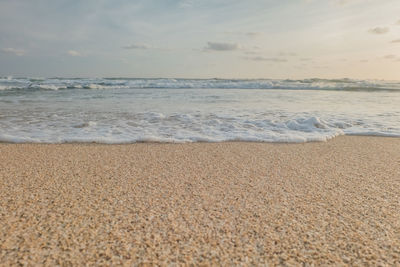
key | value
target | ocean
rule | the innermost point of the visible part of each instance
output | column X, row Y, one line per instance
column 120, row 110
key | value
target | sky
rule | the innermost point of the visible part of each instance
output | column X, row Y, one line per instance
column 278, row 39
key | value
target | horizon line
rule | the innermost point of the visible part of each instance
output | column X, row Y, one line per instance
column 181, row 78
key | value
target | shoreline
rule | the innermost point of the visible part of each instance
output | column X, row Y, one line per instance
column 199, row 142
column 228, row 203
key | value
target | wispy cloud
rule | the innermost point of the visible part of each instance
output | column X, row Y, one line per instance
column 398, row 22
column 15, row 51
column 270, row 59
column 137, row 46
column 74, row 53
column 215, row 46
column 379, row 30
column 140, row 46
column 336, row 2
column 396, row 41
column 390, row 57
column 185, row 3
column 252, row 52
column 344, row 2
column 287, row 54
column 251, row 34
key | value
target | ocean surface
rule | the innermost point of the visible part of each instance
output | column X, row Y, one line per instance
column 120, row 110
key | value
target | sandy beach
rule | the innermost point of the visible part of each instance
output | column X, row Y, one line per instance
column 335, row 202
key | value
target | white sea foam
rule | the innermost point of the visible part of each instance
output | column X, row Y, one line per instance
column 156, row 127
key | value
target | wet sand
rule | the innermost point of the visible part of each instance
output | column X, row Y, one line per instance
column 334, row 203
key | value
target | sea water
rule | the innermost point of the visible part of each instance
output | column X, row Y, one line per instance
column 59, row 110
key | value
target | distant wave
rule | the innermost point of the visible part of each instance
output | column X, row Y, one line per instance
column 10, row 83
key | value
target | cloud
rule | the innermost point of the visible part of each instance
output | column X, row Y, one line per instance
column 251, row 52
column 253, row 34
column 396, row 41
column 364, row 60
column 246, row 34
column 214, row 46
column 137, row 46
column 335, row 2
column 398, row 22
column 74, row 53
column 285, row 54
column 270, row 59
column 146, row 47
column 379, row 30
column 15, row 51
column 185, row 3
column 389, row 57
column 343, row 2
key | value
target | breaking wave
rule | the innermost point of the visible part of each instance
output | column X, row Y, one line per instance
column 186, row 110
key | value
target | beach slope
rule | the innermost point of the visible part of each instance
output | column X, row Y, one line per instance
column 335, row 202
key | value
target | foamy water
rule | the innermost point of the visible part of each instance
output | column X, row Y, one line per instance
column 183, row 110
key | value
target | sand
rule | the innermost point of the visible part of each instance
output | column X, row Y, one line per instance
column 335, row 203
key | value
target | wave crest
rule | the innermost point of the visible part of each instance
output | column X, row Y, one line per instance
column 9, row 83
